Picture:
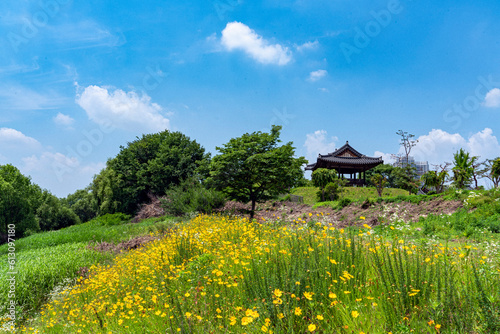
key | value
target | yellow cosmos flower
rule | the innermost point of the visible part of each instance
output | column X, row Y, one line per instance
column 311, row 328
column 355, row 314
column 298, row 311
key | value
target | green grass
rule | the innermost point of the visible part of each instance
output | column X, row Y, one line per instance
column 353, row 193
column 46, row 260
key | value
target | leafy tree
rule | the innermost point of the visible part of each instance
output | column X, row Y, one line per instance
column 82, row 203
column 321, row 177
column 148, row 166
column 406, row 178
column 19, row 199
column 435, row 179
column 407, row 142
column 52, row 215
column 462, row 169
column 255, row 168
column 387, row 171
column 379, row 181
column 495, row 171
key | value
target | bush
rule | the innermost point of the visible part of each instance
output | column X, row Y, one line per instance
column 112, row 219
column 344, row 202
column 190, row 197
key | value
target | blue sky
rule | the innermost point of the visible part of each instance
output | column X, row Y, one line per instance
column 80, row 78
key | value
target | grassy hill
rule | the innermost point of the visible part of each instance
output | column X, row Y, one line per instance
column 353, row 193
column 226, row 274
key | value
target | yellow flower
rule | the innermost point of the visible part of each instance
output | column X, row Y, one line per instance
column 332, row 295
column 437, row 326
column 319, row 317
column 278, row 293
column 232, row 321
column 246, row 320
column 187, row 294
column 308, row 295
column 298, row 311
column 355, row 314
column 281, row 316
column 188, row 315
column 362, row 218
column 311, row 328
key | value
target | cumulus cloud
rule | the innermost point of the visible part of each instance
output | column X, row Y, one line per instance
column 316, row 75
column 12, row 138
column 238, row 36
column 319, row 143
column 388, row 158
column 63, row 120
column 438, row 146
column 492, row 99
column 123, row 110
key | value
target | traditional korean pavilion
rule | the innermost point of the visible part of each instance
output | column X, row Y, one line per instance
column 347, row 161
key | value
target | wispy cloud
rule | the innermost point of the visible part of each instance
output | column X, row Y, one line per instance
column 307, row 46
column 84, row 34
column 16, row 97
column 238, row 36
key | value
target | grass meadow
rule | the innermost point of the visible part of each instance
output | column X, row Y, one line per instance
column 220, row 274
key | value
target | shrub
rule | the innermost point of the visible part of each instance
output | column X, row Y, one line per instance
column 191, row 196
column 111, row 219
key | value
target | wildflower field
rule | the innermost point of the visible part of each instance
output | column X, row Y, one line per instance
column 220, row 274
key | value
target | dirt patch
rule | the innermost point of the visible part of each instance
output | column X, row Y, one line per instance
column 374, row 214
column 134, row 243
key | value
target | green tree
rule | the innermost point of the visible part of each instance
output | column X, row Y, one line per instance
column 254, row 168
column 82, row 203
column 435, row 179
column 148, row 166
column 53, row 215
column 321, row 177
column 379, row 181
column 495, row 172
column 462, row 169
column 15, row 211
column 387, row 171
column 407, row 142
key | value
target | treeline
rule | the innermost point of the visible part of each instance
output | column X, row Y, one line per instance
column 166, row 165
column 29, row 207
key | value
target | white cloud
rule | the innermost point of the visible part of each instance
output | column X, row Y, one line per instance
column 316, row 75
column 307, row 46
column 388, row 159
column 439, row 146
column 13, row 139
column 492, row 99
column 318, row 143
column 484, row 144
column 238, row 36
column 123, row 110
column 59, row 173
column 63, row 120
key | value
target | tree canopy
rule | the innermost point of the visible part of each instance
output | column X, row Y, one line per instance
column 254, row 167
column 148, row 166
column 462, row 169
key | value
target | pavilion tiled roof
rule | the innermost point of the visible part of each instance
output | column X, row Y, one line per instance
column 345, row 156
